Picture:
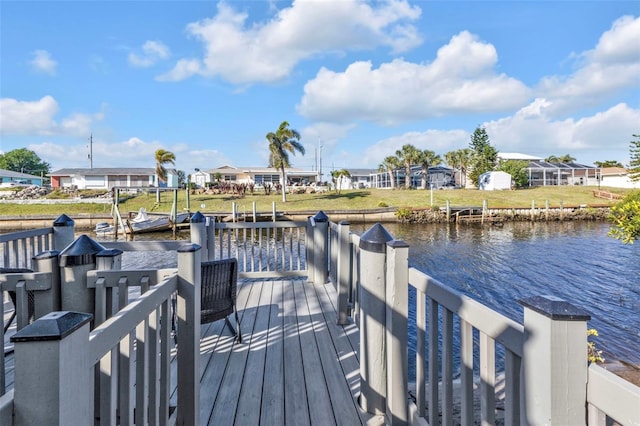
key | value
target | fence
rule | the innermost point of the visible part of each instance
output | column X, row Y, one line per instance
column 542, row 361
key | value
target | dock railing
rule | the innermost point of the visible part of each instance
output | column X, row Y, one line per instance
column 462, row 347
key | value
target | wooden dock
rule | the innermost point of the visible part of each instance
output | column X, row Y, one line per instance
column 295, row 365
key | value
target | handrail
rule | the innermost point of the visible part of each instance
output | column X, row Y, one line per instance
column 613, row 396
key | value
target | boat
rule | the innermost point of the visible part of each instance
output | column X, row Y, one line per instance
column 142, row 223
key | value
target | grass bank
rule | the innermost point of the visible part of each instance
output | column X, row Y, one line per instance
column 332, row 201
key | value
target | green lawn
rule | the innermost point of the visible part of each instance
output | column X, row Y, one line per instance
column 332, row 201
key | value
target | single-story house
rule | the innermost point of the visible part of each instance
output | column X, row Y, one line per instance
column 358, row 179
column 108, row 178
column 11, row 178
column 543, row 173
column 255, row 175
column 437, row 177
column 617, row 177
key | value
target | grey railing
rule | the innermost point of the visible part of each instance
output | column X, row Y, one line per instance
column 542, row 363
column 263, row 249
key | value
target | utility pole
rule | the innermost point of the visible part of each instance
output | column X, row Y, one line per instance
column 91, row 151
column 320, row 161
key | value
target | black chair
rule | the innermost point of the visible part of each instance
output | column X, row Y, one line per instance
column 218, row 294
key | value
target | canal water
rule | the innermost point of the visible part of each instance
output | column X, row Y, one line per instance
column 576, row 261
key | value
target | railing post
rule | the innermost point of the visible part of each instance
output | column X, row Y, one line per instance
column 373, row 368
column 199, row 233
column 110, row 259
column 76, row 260
column 188, row 312
column 63, row 232
column 53, row 374
column 343, row 274
column 554, row 361
column 310, row 249
column 321, row 248
column 45, row 302
column 397, row 305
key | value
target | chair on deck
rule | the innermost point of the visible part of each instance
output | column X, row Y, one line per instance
column 218, row 293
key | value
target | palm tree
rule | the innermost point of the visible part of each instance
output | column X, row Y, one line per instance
column 163, row 157
column 408, row 155
column 425, row 159
column 337, row 176
column 389, row 164
column 567, row 158
column 281, row 143
column 459, row 159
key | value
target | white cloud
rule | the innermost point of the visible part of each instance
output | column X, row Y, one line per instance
column 152, row 52
column 460, row 80
column 597, row 137
column 38, row 118
column 270, row 50
column 611, row 67
column 43, row 63
column 439, row 141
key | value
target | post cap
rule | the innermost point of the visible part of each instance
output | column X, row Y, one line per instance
column 555, row 308
column 109, row 253
column 63, row 220
column 53, row 326
column 197, row 218
column 46, row 254
column 375, row 239
column 321, row 217
column 186, row 248
column 82, row 251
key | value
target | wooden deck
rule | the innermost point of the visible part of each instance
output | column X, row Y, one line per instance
column 295, row 366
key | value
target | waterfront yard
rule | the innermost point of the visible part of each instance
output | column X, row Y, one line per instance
column 332, row 201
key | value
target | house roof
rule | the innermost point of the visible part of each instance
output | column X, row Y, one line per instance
column 557, row 166
column 517, row 156
column 102, row 171
column 12, row 174
column 613, row 171
column 239, row 170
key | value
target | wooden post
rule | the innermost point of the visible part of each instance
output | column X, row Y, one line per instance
column 546, row 210
column 45, row 302
column 53, row 374
column 533, row 210
column 554, row 361
column 373, row 367
column 344, row 272
column 199, row 233
column 75, row 261
column 188, row 312
column 397, row 312
column 63, row 232
column 448, row 211
column 561, row 210
column 321, row 247
column 254, row 211
column 310, row 250
column 274, row 216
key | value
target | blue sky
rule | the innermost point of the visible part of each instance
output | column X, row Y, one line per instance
column 208, row 80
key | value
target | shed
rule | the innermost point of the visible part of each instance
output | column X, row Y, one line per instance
column 492, row 181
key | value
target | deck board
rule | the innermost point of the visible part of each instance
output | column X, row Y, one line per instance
column 295, row 366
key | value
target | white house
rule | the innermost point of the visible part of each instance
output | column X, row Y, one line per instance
column 617, row 177
column 255, row 175
column 107, row 178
